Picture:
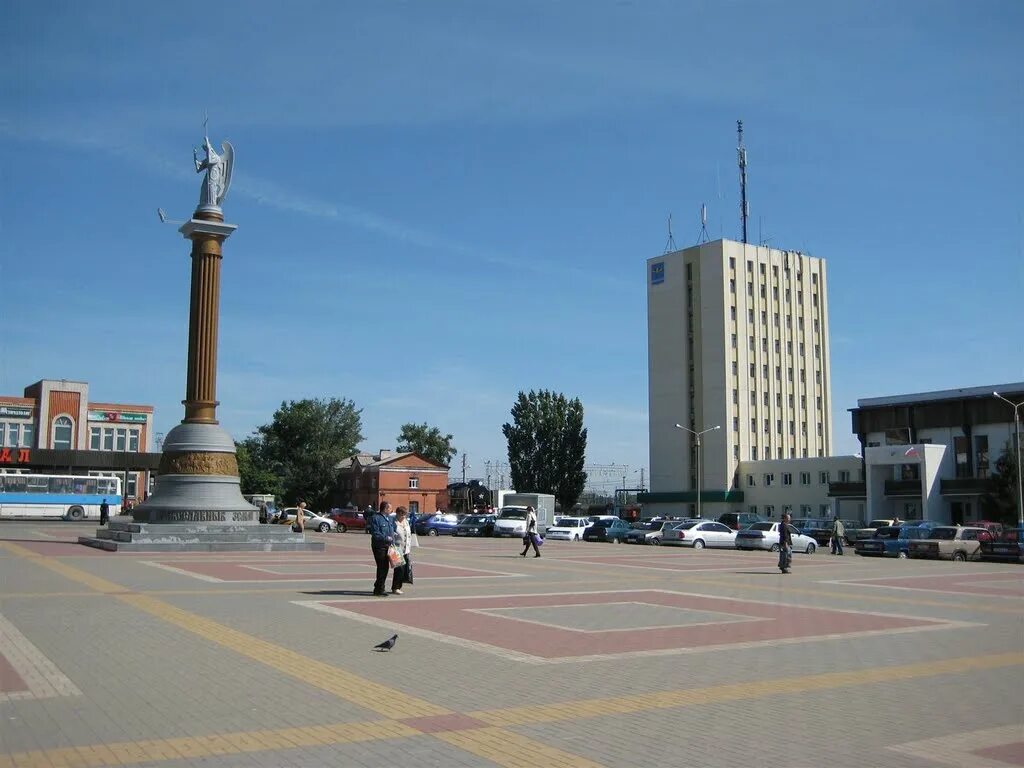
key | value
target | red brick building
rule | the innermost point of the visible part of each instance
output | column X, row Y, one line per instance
column 403, row 479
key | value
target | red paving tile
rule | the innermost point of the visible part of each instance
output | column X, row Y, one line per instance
column 958, row 583
column 326, row 569
column 758, row 622
column 10, row 680
column 1011, row 754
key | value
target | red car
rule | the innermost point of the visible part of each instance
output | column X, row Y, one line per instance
column 346, row 518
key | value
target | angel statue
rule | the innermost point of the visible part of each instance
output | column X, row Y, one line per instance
column 218, row 173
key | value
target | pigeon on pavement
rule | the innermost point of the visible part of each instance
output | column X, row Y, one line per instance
column 387, row 645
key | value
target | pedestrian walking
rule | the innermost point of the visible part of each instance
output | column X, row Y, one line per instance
column 531, row 537
column 300, row 518
column 785, row 544
column 382, row 536
column 263, row 512
column 403, row 543
column 838, row 532
column 104, row 512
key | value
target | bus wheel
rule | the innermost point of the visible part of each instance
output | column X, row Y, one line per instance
column 76, row 513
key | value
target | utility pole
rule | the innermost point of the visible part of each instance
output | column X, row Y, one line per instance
column 465, row 466
column 487, row 465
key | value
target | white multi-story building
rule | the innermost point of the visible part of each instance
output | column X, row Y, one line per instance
column 799, row 487
column 737, row 338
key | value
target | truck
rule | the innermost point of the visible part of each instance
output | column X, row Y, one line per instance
column 512, row 514
column 498, row 497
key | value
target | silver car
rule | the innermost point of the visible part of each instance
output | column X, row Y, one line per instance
column 765, row 535
column 699, row 534
column 310, row 520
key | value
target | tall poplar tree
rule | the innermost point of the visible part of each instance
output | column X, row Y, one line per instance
column 547, row 443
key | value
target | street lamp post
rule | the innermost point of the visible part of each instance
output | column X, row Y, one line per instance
column 1020, row 486
column 696, row 436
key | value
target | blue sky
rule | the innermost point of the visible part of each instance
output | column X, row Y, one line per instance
column 440, row 204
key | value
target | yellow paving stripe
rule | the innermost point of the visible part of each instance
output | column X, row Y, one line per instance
column 512, row 750
column 645, row 702
column 151, row 750
column 68, row 571
column 496, row 743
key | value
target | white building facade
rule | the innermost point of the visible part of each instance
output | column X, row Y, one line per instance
column 799, row 487
column 931, row 455
column 738, row 338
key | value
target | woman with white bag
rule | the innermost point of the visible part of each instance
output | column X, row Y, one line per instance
column 403, row 543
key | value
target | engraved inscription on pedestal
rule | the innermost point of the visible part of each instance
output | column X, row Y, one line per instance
column 198, row 463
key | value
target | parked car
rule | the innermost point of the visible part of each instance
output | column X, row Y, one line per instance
column 310, row 520
column 699, row 534
column 1009, row 546
column 995, row 529
column 883, row 522
column 568, row 528
column 647, row 532
column 947, row 542
column 511, row 521
column 891, row 541
column 347, row 517
column 738, row 520
column 821, row 530
column 437, row 525
column 607, row 530
column 765, row 535
column 475, row 525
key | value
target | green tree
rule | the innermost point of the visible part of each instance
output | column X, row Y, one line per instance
column 256, row 473
column 547, row 443
column 304, row 444
column 428, row 441
column 1000, row 504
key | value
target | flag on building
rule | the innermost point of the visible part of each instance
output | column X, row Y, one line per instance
column 912, row 451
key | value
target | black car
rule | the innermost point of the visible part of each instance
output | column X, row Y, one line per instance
column 475, row 525
column 1008, row 547
column 607, row 530
column 739, row 520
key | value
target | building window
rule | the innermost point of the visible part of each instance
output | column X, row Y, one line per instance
column 753, row 370
column 735, row 424
column 750, row 289
column 792, row 427
column 753, row 452
column 753, row 398
column 63, row 429
column 750, row 315
column 732, row 312
column 753, row 509
column 769, row 510
column 844, row 475
column 769, row 478
column 736, row 452
column 963, row 468
column 805, row 478
column 766, row 401
column 732, row 262
column 787, row 509
column 775, row 319
column 825, row 510
column 133, row 440
column 820, row 431
column 736, row 396
column 750, row 481
column 764, row 317
column 414, row 482
column 767, row 427
column 750, row 343
column 120, row 438
column 764, row 345
column 805, row 510
column 787, row 478
column 778, row 426
column 981, row 456
column 823, row 478
column 735, row 368
column 764, row 371
column 753, row 424
column 778, row 373
column 95, row 435
column 732, row 286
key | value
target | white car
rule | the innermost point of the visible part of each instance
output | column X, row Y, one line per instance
column 311, row 520
column 699, row 534
column 568, row 528
column 511, row 521
column 765, row 535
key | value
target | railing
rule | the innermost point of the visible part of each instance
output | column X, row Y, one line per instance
column 903, row 488
column 856, row 490
column 966, row 486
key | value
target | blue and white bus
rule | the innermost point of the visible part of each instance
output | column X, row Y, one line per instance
column 72, row 497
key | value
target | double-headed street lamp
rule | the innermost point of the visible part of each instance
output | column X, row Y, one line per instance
column 1020, row 486
column 697, row 435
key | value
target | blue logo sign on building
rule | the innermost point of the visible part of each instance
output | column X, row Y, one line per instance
column 658, row 273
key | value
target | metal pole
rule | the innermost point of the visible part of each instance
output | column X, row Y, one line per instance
column 698, row 475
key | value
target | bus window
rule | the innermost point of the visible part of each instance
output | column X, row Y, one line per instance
column 90, row 486
column 35, row 484
column 60, row 485
column 13, row 483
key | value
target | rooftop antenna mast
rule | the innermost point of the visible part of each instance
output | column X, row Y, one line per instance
column 671, row 244
column 741, row 157
column 704, row 237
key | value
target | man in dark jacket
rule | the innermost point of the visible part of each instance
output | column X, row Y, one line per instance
column 785, row 544
column 382, row 534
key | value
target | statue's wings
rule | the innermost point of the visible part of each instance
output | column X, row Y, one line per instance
column 229, row 164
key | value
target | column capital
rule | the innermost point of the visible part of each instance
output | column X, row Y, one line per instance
column 194, row 227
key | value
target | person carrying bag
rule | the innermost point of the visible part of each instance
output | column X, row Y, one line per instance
column 402, row 549
column 531, row 537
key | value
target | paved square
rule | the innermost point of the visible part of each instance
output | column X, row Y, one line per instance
column 593, row 655
column 491, row 624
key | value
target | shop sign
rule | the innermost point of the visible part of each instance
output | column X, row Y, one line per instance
column 136, row 418
column 15, row 410
column 15, row 456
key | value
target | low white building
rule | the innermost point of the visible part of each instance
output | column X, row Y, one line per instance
column 931, row 455
column 799, row 487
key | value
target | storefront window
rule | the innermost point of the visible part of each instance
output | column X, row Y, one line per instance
column 95, row 434
column 63, row 428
